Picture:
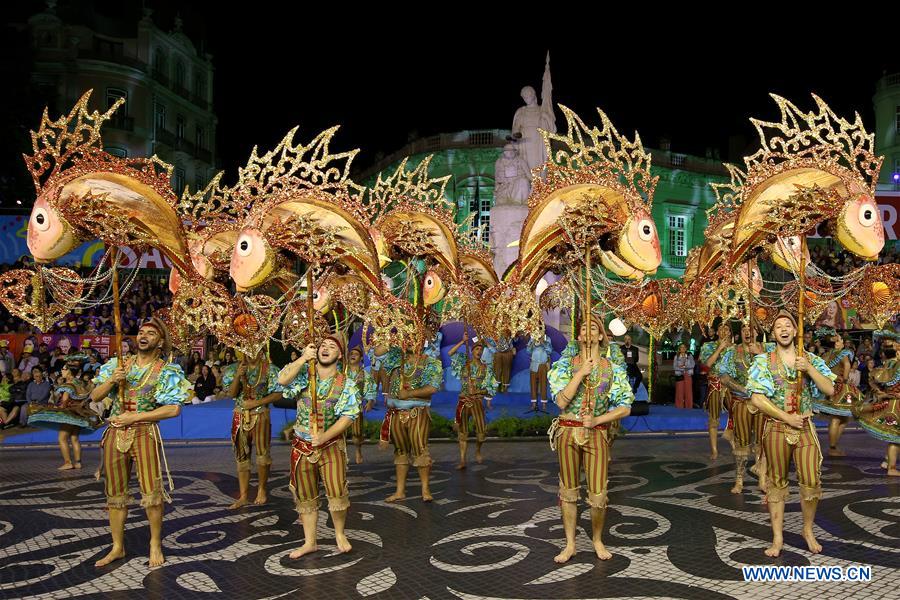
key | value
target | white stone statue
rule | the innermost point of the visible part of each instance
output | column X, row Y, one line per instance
column 533, row 116
column 512, row 177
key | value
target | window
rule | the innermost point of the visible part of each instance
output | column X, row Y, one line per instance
column 179, row 127
column 678, row 161
column 116, row 151
column 113, row 95
column 200, row 86
column 178, row 180
column 179, row 74
column 677, row 240
column 897, row 124
column 200, row 138
column 199, row 182
column 159, row 62
column 484, row 217
column 159, row 121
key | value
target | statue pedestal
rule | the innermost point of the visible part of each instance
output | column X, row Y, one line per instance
column 506, row 226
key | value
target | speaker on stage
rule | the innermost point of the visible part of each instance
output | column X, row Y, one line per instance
column 640, row 409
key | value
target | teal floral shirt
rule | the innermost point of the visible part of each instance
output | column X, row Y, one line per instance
column 365, row 383
column 735, row 363
column 332, row 403
column 480, row 375
column 775, row 383
column 429, row 373
column 265, row 385
column 388, row 361
column 171, row 386
column 611, row 388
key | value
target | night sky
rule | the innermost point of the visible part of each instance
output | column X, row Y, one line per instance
column 391, row 74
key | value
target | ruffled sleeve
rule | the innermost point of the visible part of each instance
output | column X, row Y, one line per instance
column 760, row 380
column 173, row 388
column 620, row 393
column 296, row 387
column 347, row 404
column 560, row 373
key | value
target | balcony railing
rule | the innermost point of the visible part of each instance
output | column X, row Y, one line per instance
column 676, row 262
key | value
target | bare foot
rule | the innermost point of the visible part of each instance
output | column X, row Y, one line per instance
column 814, row 546
column 461, row 466
column 78, row 465
column 65, row 467
column 564, row 556
column 304, row 549
column 884, row 465
column 478, row 458
column 239, row 503
column 893, row 473
column 602, row 552
column 156, row 556
column 114, row 554
column 714, row 456
column 836, row 452
column 738, row 487
column 359, row 456
column 343, row 544
column 395, row 497
column 261, row 498
column 775, row 549
column 426, row 496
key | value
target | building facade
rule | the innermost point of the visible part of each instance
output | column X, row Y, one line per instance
column 165, row 82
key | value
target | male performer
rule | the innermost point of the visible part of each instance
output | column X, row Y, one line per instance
column 579, row 435
column 365, row 383
column 248, row 380
column 407, row 422
column 717, row 395
column 478, row 385
column 154, row 390
column 789, row 431
column 733, row 368
column 503, row 355
column 319, row 452
column 539, row 350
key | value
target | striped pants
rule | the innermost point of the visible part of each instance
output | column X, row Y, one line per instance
column 592, row 453
column 123, row 447
column 328, row 464
column 715, row 401
column 782, row 443
column 746, row 424
column 356, row 430
column 249, row 430
column 409, row 432
column 473, row 407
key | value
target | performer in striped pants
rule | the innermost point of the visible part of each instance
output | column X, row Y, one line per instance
column 718, row 395
column 579, row 435
column 253, row 383
column 478, row 386
column 320, row 453
column 789, row 432
column 154, row 390
column 733, row 368
column 408, row 421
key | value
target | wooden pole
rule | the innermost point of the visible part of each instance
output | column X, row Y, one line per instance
column 313, row 391
column 117, row 317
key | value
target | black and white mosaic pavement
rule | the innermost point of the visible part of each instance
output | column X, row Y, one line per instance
column 492, row 532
